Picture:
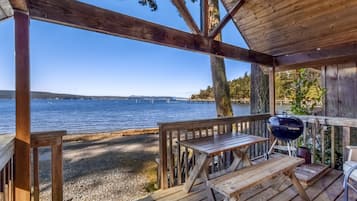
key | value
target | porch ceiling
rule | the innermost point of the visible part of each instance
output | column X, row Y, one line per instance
column 278, row 27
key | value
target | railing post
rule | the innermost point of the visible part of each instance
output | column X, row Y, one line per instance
column 57, row 176
column 163, row 158
column 346, row 140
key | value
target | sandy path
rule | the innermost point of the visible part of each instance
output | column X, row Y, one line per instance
column 116, row 168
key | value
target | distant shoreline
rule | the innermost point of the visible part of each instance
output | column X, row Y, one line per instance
column 10, row 94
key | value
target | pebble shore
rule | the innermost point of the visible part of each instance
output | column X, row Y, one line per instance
column 116, row 168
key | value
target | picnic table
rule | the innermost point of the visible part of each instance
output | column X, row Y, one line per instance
column 207, row 148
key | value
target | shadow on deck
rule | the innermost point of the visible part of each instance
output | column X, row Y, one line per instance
column 328, row 188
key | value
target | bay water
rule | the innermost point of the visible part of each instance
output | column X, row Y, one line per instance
column 92, row 116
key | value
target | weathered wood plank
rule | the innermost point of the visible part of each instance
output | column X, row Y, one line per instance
column 22, row 143
column 85, row 16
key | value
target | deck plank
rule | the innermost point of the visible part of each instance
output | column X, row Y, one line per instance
column 312, row 191
column 327, row 188
column 332, row 192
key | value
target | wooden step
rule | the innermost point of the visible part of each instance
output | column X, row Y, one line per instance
column 233, row 183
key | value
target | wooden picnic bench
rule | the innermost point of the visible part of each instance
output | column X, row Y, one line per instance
column 232, row 184
column 207, row 148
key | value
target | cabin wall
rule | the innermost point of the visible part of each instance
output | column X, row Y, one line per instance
column 340, row 81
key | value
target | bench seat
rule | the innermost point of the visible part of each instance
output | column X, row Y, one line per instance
column 232, row 184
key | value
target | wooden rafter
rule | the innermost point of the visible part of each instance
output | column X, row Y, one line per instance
column 226, row 19
column 318, row 57
column 204, row 17
column 185, row 14
column 85, row 16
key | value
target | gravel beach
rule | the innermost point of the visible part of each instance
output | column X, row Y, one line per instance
column 111, row 168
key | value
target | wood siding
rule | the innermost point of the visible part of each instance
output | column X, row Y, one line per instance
column 341, row 87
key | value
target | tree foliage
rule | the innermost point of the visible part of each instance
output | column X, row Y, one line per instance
column 301, row 88
column 151, row 3
column 307, row 92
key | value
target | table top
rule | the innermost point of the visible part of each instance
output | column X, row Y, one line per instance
column 212, row 145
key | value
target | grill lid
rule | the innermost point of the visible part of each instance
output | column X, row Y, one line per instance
column 285, row 127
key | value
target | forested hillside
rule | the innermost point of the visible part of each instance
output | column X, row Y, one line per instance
column 287, row 85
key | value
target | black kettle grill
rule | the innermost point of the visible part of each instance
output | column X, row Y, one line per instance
column 285, row 128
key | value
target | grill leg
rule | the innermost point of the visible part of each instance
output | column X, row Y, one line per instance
column 289, row 150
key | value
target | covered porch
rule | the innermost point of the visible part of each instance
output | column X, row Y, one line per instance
column 281, row 35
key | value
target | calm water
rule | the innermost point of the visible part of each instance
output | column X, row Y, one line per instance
column 82, row 116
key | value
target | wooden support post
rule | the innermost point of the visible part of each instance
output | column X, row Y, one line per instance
column 346, row 140
column 22, row 143
column 272, row 91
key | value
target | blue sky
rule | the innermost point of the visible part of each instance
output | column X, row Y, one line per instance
column 68, row 60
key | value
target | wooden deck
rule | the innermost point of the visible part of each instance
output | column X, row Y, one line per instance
column 328, row 188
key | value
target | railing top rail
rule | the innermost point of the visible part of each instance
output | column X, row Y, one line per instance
column 205, row 122
column 7, row 145
column 333, row 121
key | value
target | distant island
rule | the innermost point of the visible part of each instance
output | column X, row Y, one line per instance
column 10, row 94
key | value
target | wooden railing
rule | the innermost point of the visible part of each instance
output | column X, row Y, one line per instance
column 7, row 144
column 176, row 162
column 327, row 137
column 51, row 139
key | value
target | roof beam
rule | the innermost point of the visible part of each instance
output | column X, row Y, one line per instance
column 181, row 7
column 226, row 19
column 84, row 16
column 318, row 57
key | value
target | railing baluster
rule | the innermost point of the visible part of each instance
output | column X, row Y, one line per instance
column 322, row 146
column 179, row 172
column 333, row 159
column 186, row 159
column 170, row 157
column 36, row 183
